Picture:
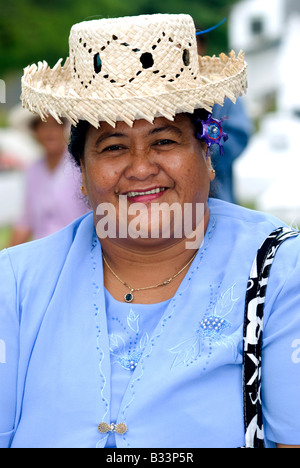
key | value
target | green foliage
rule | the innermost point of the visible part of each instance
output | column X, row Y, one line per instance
column 33, row 30
column 5, row 234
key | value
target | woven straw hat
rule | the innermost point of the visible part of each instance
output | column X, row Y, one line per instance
column 132, row 68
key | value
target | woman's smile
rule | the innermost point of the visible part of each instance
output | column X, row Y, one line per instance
column 146, row 195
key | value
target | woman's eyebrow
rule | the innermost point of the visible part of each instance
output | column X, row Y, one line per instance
column 107, row 135
column 169, row 128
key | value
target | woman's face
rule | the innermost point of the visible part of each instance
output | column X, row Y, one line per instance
column 149, row 164
column 51, row 135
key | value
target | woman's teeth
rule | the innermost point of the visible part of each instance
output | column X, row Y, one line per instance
column 148, row 192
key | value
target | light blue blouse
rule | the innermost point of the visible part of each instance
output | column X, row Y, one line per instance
column 57, row 344
column 130, row 327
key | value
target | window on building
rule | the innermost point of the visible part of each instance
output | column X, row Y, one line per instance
column 257, row 26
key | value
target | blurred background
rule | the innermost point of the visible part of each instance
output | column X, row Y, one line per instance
column 263, row 166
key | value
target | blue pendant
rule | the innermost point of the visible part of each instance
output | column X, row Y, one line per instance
column 128, row 297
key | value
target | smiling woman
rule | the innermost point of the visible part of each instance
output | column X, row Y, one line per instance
column 147, row 163
column 138, row 338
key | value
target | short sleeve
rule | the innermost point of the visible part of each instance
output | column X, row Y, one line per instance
column 281, row 348
column 9, row 349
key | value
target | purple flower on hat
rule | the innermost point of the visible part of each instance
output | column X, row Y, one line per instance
column 212, row 133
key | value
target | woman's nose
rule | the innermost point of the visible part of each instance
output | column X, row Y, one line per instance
column 141, row 165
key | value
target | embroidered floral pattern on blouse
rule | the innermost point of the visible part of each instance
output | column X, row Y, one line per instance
column 129, row 357
column 213, row 326
column 210, row 332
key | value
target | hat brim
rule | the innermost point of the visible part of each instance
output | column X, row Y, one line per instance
column 47, row 91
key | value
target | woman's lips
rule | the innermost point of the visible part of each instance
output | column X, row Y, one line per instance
column 144, row 196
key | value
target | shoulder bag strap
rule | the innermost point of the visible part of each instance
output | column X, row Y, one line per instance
column 253, row 331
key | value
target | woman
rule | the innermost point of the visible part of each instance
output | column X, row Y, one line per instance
column 115, row 334
column 52, row 186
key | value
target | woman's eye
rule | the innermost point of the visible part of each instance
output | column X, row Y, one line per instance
column 164, row 142
column 113, row 148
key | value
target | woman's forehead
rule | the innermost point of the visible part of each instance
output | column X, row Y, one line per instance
column 181, row 123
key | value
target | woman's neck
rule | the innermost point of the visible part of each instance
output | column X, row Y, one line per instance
column 53, row 159
column 141, row 267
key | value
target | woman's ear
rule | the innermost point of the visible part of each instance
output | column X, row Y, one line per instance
column 211, row 171
column 207, row 158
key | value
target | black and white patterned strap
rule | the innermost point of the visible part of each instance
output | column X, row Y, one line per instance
column 253, row 331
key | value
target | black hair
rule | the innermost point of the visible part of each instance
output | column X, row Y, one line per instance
column 199, row 116
column 77, row 140
column 78, row 133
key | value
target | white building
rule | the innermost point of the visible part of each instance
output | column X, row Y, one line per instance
column 267, row 174
column 269, row 32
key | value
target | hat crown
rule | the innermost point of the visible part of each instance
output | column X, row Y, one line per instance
column 118, row 56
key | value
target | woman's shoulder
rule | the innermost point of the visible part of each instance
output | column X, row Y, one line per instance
column 50, row 251
column 244, row 228
column 242, row 216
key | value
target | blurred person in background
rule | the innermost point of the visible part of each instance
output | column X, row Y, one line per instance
column 238, row 127
column 52, row 198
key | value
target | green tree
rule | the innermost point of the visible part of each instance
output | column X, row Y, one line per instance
column 33, row 30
